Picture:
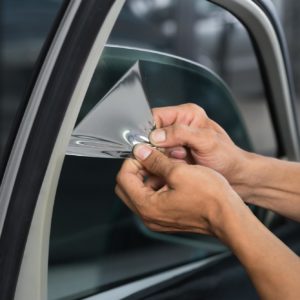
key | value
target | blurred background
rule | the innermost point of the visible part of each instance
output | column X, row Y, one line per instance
column 193, row 29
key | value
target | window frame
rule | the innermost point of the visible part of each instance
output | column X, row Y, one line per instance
column 270, row 47
column 35, row 161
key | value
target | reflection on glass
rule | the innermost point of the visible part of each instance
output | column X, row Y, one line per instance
column 24, row 26
column 117, row 123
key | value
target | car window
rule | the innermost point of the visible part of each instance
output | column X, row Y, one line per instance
column 96, row 242
column 24, row 28
column 207, row 34
column 97, row 225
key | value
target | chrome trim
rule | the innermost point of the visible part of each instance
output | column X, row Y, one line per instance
column 139, row 285
column 265, row 35
column 31, row 110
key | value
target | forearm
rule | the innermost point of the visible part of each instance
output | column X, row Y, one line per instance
column 271, row 183
column 273, row 268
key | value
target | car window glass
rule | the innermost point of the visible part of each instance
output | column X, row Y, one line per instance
column 93, row 232
column 96, row 242
column 24, row 26
column 207, row 34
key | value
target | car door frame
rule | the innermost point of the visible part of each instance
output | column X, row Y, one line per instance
column 36, row 159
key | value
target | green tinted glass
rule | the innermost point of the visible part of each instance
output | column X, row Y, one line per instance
column 94, row 236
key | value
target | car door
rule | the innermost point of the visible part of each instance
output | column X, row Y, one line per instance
column 36, row 163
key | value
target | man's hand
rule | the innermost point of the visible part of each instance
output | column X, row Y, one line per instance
column 267, row 182
column 179, row 197
column 192, row 199
column 187, row 133
column 197, row 199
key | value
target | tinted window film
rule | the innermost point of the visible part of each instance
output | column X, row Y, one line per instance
column 24, row 28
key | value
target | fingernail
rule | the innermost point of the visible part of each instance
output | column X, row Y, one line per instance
column 179, row 153
column 142, row 151
column 158, row 136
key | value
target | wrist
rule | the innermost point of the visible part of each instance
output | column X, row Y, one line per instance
column 231, row 219
column 248, row 174
column 228, row 212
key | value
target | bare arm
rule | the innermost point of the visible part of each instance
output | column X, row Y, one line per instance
column 263, row 181
column 271, row 183
column 197, row 199
column 273, row 268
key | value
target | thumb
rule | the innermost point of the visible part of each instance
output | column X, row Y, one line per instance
column 153, row 160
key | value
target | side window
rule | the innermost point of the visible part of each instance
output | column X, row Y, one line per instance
column 96, row 242
column 204, row 33
column 24, row 28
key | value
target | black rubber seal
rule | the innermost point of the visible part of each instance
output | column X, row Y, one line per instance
column 24, row 102
column 68, row 67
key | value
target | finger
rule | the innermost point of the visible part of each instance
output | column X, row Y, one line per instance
column 154, row 161
column 186, row 114
column 131, row 181
column 165, row 116
column 181, row 136
column 176, row 152
column 180, row 156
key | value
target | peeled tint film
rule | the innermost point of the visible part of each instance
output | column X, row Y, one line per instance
column 117, row 123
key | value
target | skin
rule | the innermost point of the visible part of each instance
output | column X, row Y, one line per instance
column 201, row 183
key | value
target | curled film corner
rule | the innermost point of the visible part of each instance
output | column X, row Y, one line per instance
column 117, row 122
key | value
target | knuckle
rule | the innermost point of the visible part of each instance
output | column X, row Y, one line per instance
column 196, row 108
column 155, row 163
column 201, row 111
column 175, row 172
column 202, row 117
column 177, row 130
column 192, row 106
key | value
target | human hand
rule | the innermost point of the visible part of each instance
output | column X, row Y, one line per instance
column 188, row 133
column 192, row 199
